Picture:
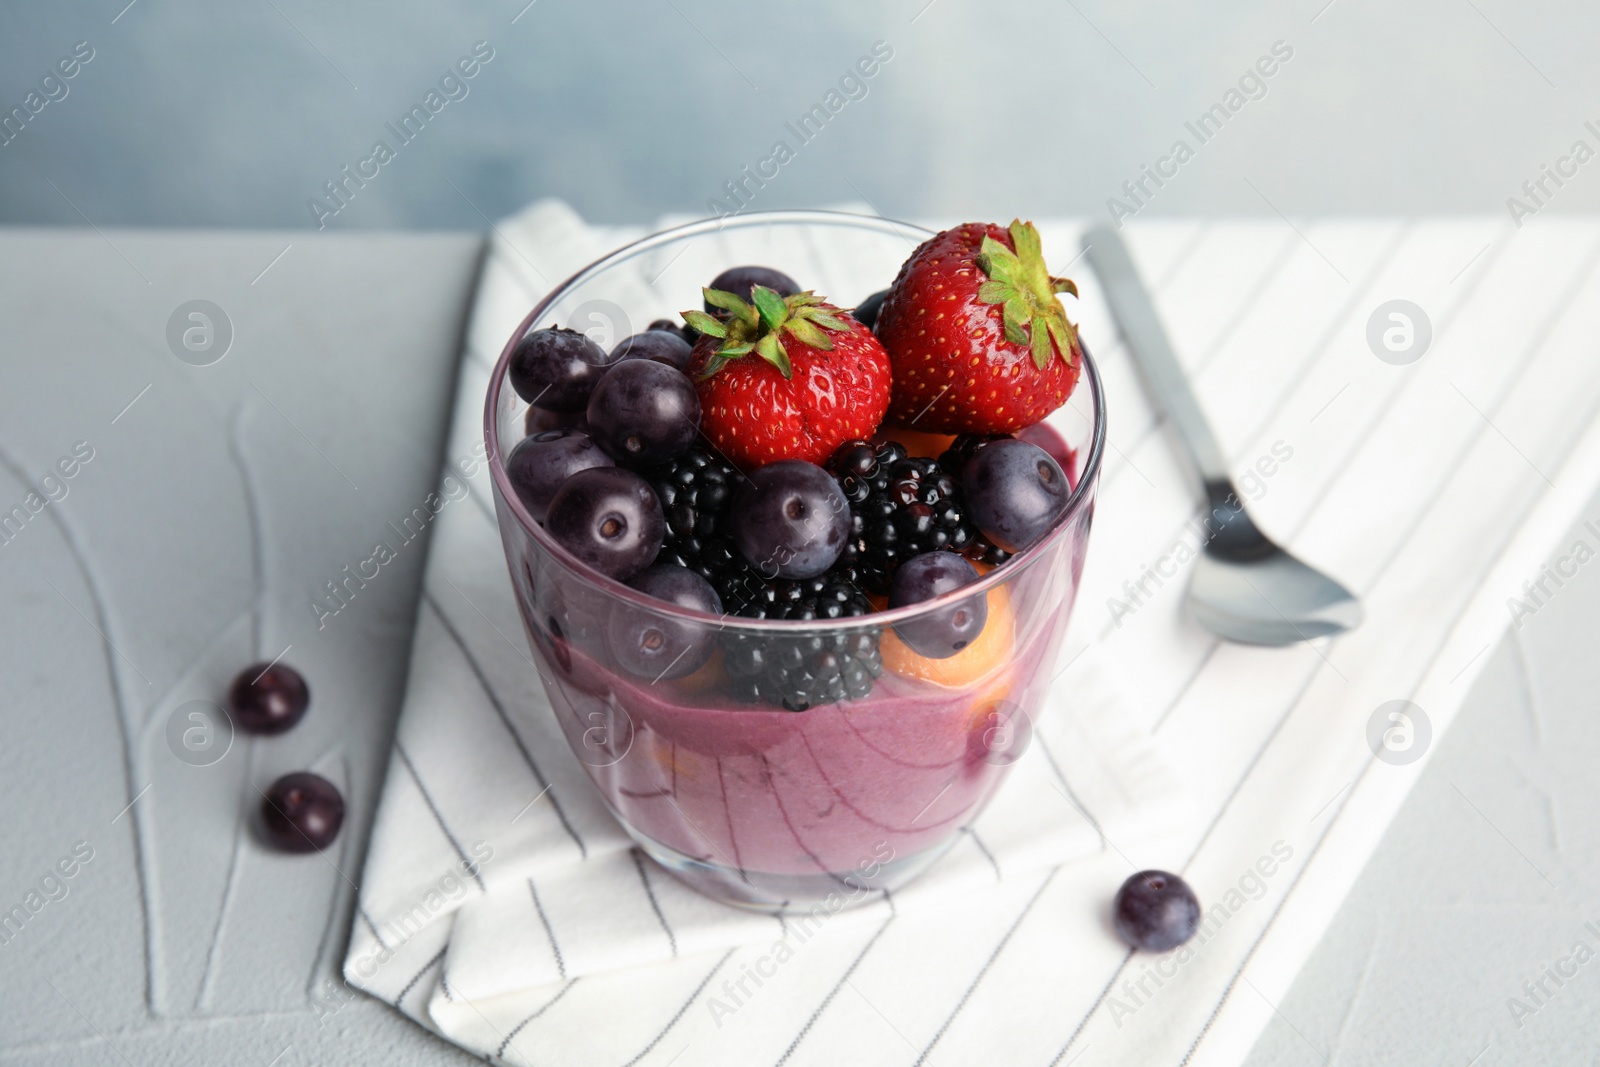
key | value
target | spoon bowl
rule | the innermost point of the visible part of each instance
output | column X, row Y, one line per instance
column 1270, row 600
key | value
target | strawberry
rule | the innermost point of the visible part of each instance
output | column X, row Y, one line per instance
column 821, row 378
column 978, row 339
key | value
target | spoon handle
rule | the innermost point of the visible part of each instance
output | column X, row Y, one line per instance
column 1163, row 377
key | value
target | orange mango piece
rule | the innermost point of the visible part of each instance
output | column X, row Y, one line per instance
column 987, row 659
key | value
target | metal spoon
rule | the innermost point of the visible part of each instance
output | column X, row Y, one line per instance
column 1244, row 587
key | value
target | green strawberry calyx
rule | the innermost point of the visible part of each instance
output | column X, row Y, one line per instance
column 1019, row 282
column 759, row 324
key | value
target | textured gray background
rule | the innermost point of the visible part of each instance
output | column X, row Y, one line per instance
column 204, row 113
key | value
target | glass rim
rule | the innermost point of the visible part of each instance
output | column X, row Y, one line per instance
column 622, row 591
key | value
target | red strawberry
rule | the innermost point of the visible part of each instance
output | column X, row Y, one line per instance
column 978, row 339
column 819, row 378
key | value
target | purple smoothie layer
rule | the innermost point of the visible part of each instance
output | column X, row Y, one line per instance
column 823, row 790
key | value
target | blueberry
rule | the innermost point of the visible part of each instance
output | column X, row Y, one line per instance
column 669, row 326
column 740, row 281
column 610, row 519
column 650, row 645
column 268, row 699
column 644, row 413
column 943, row 633
column 569, row 611
column 659, row 345
column 539, row 420
column 302, row 812
column 1156, row 911
column 1015, row 492
column 557, row 369
column 866, row 312
column 539, row 464
column 790, row 520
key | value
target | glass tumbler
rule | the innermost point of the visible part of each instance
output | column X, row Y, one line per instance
column 757, row 805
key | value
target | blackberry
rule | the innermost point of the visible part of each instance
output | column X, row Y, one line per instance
column 695, row 490
column 900, row 506
column 753, row 595
column 804, row 670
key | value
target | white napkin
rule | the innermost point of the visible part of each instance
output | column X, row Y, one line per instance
column 503, row 908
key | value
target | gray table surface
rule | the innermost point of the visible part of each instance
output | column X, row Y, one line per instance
column 190, row 545
column 220, row 498
column 1484, row 880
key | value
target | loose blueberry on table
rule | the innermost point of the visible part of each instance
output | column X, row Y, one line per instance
column 268, row 698
column 302, row 812
column 778, row 457
column 1155, row 911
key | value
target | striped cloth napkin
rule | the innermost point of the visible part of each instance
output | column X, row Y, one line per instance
column 503, row 908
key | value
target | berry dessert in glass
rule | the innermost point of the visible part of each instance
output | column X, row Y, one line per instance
column 796, row 554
